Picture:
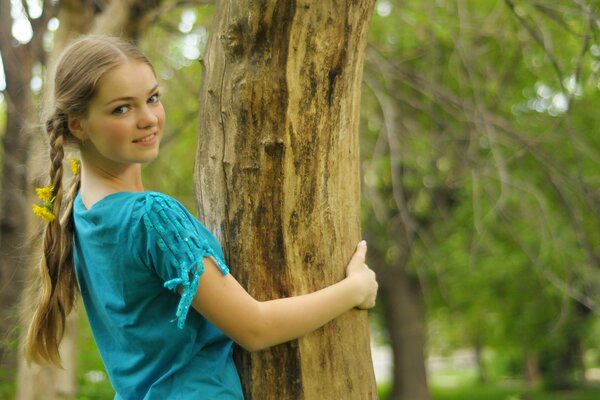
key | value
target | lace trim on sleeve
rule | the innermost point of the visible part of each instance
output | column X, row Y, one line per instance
column 186, row 247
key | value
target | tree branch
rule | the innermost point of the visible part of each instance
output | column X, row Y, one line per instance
column 535, row 35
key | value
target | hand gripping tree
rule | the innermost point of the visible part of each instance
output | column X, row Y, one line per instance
column 277, row 176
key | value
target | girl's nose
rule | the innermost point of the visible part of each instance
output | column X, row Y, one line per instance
column 147, row 118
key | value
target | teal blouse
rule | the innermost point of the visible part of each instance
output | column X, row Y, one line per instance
column 132, row 251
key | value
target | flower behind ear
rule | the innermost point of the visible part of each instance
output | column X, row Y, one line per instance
column 75, row 165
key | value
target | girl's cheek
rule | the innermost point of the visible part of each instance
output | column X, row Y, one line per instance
column 161, row 116
column 117, row 130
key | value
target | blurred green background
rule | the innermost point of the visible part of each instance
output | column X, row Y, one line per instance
column 481, row 189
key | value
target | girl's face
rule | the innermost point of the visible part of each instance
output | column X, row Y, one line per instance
column 125, row 119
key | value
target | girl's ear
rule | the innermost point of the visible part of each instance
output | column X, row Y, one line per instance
column 77, row 127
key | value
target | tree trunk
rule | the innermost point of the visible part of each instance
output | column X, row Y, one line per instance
column 13, row 221
column 18, row 61
column 480, row 363
column 403, row 308
column 126, row 18
column 37, row 382
column 277, row 177
column 533, row 376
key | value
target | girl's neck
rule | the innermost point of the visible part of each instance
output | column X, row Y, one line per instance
column 97, row 182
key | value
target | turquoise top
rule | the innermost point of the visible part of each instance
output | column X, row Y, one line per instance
column 132, row 251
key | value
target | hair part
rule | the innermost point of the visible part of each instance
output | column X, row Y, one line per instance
column 76, row 77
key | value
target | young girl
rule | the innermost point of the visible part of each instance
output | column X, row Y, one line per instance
column 140, row 258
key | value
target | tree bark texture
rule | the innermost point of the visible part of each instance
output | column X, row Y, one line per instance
column 277, row 177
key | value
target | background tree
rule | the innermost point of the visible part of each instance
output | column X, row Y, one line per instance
column 19, row 61
column 277, row 177
column 466, row 108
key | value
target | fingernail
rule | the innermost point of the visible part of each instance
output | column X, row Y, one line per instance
column 363, row 242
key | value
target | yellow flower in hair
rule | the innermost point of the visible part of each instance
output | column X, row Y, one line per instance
column 74, row 165
column 46, row 194
column 43, row 213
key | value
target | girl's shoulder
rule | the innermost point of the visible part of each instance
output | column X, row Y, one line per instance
column 159, row 211
column 156, row 202
column 119, row 200
column 159, row 197
column 128, row 207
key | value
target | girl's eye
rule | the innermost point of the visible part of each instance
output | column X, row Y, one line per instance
column 154, row 98
column 120, row 110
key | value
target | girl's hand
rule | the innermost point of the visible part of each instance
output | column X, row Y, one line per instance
column 257, row 324
column 364, row 277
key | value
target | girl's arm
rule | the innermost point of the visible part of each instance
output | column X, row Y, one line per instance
column 256, row 325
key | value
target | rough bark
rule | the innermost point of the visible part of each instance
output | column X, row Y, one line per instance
column 277, row 177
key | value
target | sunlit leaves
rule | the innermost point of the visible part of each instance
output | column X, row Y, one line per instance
column 174, row 45
column 493, row 108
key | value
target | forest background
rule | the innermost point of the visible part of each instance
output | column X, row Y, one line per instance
column 481, row 186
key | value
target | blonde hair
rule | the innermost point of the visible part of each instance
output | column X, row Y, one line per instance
column 78, row 71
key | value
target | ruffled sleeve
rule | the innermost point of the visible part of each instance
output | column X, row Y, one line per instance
column 175, row 246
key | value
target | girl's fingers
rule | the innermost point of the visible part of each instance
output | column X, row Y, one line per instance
column 361, row 252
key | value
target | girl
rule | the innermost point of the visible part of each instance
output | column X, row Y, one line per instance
column 140, row 259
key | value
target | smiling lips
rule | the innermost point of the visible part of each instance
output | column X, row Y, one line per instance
column 146, row 139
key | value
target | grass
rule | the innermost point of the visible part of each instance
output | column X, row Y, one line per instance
column 513, row 393
column 7, row 390
column 504, row 391
column 460, row 383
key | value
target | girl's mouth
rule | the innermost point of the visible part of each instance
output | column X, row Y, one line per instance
column 146, row 139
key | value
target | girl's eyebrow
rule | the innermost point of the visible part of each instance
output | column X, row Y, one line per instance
column 129, row 98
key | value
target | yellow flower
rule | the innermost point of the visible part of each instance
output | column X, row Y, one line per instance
column 43, row 213
column 45, row 193
column 74, row 165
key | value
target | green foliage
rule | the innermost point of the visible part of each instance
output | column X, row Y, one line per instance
column 175, row 53
column 92, row 379
column 477, row 139
column 7, row 389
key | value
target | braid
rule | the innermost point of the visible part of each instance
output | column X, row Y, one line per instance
column 57, row 272
column 53, row 236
